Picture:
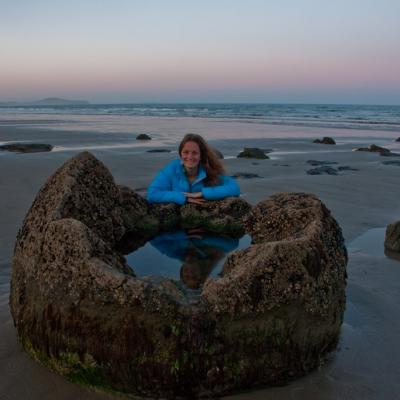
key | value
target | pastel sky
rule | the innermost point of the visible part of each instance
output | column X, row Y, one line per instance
column 306, row 51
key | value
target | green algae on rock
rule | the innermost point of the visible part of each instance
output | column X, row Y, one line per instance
column 273, row 315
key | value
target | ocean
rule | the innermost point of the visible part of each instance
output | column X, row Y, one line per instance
column 386, row 118
column 167, row 123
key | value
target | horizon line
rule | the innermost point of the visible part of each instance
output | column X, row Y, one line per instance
column 4, row 103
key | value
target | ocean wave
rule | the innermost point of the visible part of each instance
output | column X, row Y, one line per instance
column 385, row 118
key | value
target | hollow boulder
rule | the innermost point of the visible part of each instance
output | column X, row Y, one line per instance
column 274, row 314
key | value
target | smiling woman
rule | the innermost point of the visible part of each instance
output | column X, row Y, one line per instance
column 195, row 178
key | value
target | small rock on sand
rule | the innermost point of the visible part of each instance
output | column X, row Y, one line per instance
column 347, row 168
column 315, row 163
column 373, row 148
column 252, row 152
column 245, row 175
column 325, row 140
column 322, row 170
column 26, row 147
column 143, row 136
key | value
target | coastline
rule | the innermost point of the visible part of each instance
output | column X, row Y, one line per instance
column 365, row 365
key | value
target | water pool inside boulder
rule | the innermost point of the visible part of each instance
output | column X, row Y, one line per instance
column 186, row 256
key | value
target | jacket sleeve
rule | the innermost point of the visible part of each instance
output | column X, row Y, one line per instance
column 227, row 188
column 160, row 191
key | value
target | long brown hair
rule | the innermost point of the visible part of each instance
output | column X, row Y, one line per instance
column 208, row 158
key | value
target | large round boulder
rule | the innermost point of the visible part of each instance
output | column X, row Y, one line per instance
column 274, row 314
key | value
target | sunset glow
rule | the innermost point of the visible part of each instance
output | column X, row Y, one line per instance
column 302, row 51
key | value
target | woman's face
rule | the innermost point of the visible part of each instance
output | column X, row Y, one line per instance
column 190, row 155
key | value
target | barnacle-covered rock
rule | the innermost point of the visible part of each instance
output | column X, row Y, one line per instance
column 273, row 315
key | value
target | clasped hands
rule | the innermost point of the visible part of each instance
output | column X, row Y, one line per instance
column 195, row 198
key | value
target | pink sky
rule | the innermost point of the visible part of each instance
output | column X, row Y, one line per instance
column 298, row 51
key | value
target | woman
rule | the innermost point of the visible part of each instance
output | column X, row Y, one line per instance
column 195, row 178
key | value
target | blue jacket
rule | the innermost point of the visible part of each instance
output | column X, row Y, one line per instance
column 170, row 183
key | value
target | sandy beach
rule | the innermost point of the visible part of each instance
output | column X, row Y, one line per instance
column 363, row 199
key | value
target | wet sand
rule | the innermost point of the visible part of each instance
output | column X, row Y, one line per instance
column 367, row 362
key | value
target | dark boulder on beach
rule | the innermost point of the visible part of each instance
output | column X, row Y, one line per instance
column 26, row 147
column 392, row 237
column 323, row 170
column 143, row 136
column 315, row 163
column 325, row 140
column 373, row 148
column 274, row 314
column 252, row 152
column 377, row 149
column 398, row 139
column 245, row 175
column 347, row 168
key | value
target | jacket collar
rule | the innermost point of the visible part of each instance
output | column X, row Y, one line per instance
column 200, row 176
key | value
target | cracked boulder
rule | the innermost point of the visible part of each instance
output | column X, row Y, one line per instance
column 273, row 315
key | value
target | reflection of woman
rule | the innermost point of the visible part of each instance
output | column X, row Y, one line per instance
column 199, row 253
column 196, row 177
column 195, row 270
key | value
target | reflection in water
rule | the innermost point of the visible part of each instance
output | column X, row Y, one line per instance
column 191, row 256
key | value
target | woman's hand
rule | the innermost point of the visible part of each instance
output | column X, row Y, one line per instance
column 195, row 198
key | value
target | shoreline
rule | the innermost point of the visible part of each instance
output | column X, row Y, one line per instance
column 367, row 361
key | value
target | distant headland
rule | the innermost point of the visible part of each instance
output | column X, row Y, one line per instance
column 50, row 101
